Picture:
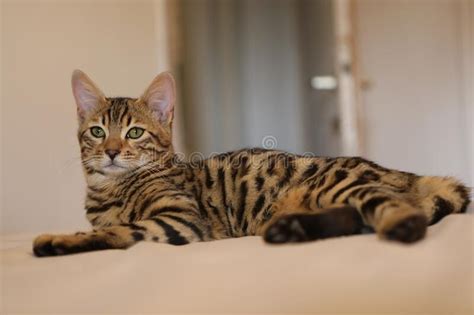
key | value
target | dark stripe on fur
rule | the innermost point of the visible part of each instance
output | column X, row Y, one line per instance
column 105, row 207
column 310, row 171
column 174, row 237
column 355, row 183
column 258, row 205
column 339, row 176
column 243, row 196
column 368, row 207
column 186, row 223
column 158, row 211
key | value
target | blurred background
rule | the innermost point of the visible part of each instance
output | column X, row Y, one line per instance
column 390, row 80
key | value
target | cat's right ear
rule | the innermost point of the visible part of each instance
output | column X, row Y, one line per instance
column 87, row 95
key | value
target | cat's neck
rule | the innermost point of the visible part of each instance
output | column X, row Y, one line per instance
column 111, row 181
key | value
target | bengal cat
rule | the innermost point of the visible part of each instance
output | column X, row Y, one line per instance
column 137, row 190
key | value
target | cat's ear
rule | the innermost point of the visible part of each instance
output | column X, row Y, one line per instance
column 160, row 97
column 88, row 96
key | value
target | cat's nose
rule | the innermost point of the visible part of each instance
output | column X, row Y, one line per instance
column 112, row 153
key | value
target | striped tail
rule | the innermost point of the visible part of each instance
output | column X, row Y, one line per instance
column 440, row 196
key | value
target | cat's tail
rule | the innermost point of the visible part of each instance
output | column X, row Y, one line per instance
column 440, row 196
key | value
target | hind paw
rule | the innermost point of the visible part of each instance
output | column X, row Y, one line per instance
column 408, row 230
column 285, row 230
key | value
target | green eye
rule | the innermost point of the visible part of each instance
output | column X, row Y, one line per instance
column 98, row 132
column 135, row 133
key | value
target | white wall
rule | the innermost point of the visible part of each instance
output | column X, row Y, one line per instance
column 116, row 42
column 413, row 56
column 1, row 115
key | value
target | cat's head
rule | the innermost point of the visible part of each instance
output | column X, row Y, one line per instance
column 118, row 134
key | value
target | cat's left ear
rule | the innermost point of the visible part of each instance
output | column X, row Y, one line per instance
column 160, row 97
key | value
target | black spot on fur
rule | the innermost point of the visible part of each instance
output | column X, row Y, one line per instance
column 442, row 208
column 464, row 194
column 259, row 181
column 137, row 236
column 370, row 175
column 310, row 171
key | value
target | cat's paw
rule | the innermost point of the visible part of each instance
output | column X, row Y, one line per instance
column 53, row 245
column 42, row 245
column 285, row 230
column 407, row 230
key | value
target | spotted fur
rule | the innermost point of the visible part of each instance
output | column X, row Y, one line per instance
column 147, row 194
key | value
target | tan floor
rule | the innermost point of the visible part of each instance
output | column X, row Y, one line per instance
column 357, row 274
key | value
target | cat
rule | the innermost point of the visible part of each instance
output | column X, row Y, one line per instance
column 137, row 190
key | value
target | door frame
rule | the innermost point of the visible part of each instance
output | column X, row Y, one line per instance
column 467, row 48
column 348, row 73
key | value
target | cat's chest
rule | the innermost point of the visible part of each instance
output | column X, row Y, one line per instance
column 124, row 202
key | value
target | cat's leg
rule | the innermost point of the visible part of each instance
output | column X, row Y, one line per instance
column 170, row 228
column 310, row 226
column 389, row 213
column 296, row 218
column 391, row 217
column 373, row 205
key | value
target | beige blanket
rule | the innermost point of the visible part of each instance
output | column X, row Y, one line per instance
column 357, row 274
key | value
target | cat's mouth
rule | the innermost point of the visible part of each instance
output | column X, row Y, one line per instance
column 113, row 167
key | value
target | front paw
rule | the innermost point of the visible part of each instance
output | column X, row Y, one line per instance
column 42, row 246
column 53, row 245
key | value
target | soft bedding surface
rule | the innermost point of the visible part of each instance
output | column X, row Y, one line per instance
column 357, row 274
